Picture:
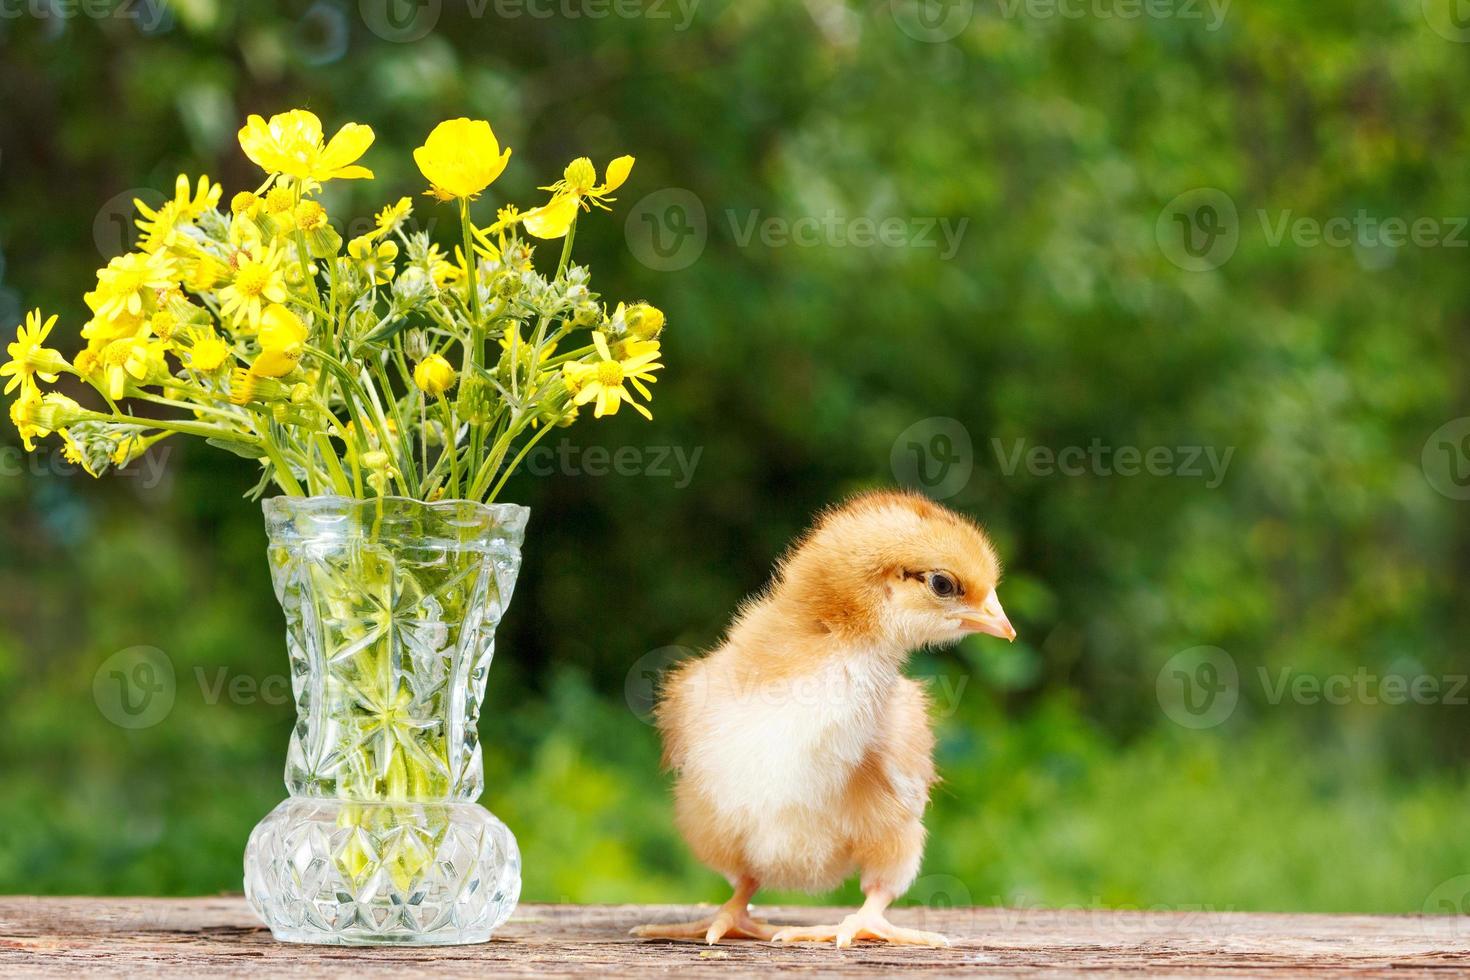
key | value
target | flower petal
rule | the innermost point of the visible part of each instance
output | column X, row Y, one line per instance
column 553, row 219
column 617, row 172
column 351, row 142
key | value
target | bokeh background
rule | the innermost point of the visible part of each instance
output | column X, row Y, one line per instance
column 922, row 242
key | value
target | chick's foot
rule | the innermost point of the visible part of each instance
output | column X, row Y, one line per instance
column 862, row 924
column 727, row 922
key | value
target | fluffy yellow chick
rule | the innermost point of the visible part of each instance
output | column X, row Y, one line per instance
column 801, row 752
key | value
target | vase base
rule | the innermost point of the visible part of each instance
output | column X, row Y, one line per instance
column 338, row 872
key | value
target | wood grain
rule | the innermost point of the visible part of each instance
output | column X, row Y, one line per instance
column 219, row 937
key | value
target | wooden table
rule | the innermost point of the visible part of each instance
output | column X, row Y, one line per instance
column 219, row 936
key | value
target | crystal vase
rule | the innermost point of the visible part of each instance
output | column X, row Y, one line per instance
column 391, row 607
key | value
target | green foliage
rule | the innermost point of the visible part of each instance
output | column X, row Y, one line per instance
column 1058, row 320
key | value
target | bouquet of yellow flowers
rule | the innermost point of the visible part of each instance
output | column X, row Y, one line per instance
column 379, row 366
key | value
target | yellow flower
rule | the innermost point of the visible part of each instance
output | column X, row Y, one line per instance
column 205, row 274
column 603, row 379
column 258, row 280
column 279, row 199
column 376, row 258
column 579, row 181
column 88, row 362
column 282, row 339
column 507, row 217
column 208, row 351
column 443, row 271
column 291, row 143
column 577, row 188
column 131, row 358
column 159, row 227
column 392, row 216
column 460, row 158
column 28, row 359
column 244, row 202
column 309, row 216
column 642, row 321
column 163, row 324
column 23, row 413
column 122, row 285
column 434, row 375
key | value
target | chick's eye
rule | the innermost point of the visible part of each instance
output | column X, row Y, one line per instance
column 942, row 585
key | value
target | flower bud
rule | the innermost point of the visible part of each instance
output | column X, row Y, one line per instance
column 434, row 375
column 56, row 411
column 644, row 322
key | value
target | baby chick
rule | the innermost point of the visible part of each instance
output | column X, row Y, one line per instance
column 801, row 752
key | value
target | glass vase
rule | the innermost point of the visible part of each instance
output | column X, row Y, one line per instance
column 391, row 607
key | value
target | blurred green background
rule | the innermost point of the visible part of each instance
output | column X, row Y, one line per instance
column 1124, row 188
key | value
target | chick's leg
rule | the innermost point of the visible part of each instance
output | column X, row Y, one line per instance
column 868, row 922
column 733, row 919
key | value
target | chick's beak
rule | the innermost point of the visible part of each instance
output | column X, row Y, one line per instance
column 990, row 618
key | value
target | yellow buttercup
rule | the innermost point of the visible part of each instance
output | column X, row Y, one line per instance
column 290, row 143
column 461, row 158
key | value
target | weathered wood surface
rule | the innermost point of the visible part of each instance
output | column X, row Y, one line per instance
column 219, row 936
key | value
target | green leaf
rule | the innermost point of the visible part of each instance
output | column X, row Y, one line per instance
column 238, row 448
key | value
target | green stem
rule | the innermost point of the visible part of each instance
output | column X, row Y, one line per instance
column 495, row 492
column 283, row 471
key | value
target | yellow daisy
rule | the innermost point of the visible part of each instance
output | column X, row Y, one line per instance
column 23, row 413
column 208, row 351
column 28, row 359
column 122, row 285
column 133, row 359
column 160, row 227
column 603, row 379
column 258, row 281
